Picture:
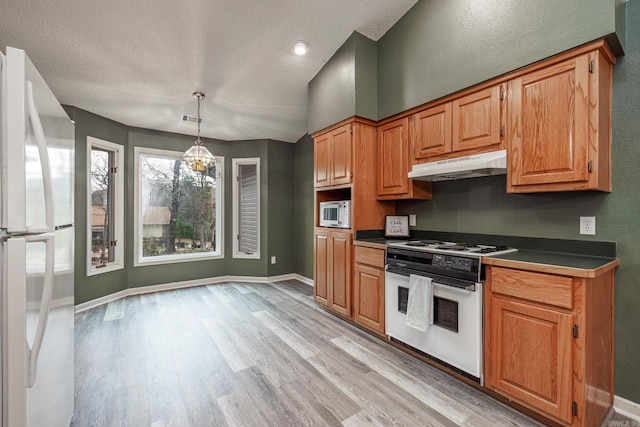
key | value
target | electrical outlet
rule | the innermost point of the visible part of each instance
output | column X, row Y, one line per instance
column 273, row 260
column 412, row 220
column 588, row 225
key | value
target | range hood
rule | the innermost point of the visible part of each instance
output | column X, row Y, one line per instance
column 477, row 165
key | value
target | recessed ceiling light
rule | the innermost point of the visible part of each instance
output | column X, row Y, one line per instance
column 300, row 47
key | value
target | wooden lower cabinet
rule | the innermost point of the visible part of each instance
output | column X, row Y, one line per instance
column 332, row 284
column 350, row 286
column 532, row 355
column 540, row 332
column 368, row 288
column 321, row 274
column 340, row 283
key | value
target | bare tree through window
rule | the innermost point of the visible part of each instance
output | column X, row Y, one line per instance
column 178, row 207
column 101, row 207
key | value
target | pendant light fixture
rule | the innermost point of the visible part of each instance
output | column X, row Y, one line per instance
column 198, row 158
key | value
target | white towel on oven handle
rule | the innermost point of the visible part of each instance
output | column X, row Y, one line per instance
column 419, row 307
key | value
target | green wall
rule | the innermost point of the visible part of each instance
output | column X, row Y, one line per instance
column 346, row 85
column 440, row 47
column 277, row 186
column 88, row 124
column 304, row 205
column 247, row 267
column 167, row 273
column 620, row 213
column 280, row 190
column 366, row 51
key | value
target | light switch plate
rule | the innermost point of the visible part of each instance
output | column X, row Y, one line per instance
column 412, row 220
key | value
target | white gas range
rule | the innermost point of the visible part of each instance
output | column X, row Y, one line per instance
column 454, row 336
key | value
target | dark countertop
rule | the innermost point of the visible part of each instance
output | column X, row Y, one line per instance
column 577, row 259
column 554, row 262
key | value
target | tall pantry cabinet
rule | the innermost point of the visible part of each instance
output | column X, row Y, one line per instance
column 346, row 161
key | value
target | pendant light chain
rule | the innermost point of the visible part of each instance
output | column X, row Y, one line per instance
column 199, row 119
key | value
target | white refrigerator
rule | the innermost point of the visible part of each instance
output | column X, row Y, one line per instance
column 36, row 251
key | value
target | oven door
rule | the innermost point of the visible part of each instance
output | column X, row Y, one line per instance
column 455, row 337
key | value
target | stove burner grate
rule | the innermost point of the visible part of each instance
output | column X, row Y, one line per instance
column 423, row 242
column 467, row 245
column 429, row 244
column 454, row 248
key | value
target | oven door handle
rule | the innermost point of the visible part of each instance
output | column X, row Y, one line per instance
column 437, row 279
column 470, row 287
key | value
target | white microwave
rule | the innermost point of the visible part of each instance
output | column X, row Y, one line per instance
column 335, row 214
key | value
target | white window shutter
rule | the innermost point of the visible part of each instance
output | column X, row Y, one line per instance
column 249, row 209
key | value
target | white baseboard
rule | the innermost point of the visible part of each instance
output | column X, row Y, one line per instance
column 79, row 308
column 627, row 408
column 303, row 279
column 184, row 284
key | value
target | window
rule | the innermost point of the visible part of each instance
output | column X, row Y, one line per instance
column 246, row 208
column 105, row 213
column 178, row 212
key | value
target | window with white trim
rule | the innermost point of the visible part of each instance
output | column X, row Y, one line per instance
column 178, row 212
column 105, row 207
column 246, row 208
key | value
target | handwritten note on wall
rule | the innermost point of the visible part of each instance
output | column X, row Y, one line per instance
column 397, row 225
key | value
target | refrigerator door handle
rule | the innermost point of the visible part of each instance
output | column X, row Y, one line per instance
column 38, row 131
column 43, row 318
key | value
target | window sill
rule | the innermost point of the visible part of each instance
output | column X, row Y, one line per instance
column 172, row 259
column 96, row 271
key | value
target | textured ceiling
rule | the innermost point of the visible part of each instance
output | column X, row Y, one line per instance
column 138, row 62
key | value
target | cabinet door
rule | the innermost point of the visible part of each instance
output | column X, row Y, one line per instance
column 340, row 272
column 322, row 274
column 341, row 155
column 431, row 134
column 531, row 357
column 393, row 158
column 321, row 156
column 549, row 124
column 476, row 120
column 368, row 291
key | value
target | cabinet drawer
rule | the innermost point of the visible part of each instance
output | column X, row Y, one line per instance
column 370, row 256
column 539, row 287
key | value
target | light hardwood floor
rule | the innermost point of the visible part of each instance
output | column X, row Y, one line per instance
column 242, row 354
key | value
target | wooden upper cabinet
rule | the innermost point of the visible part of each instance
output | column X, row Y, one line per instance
column 393, row 159
column 332, row 157
column 321, row 161
column 559, row 128
column 431, row 134
column 477, row 120
column 467, row 124
column 394, row 164
column 346, row 168
column 341, row 155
